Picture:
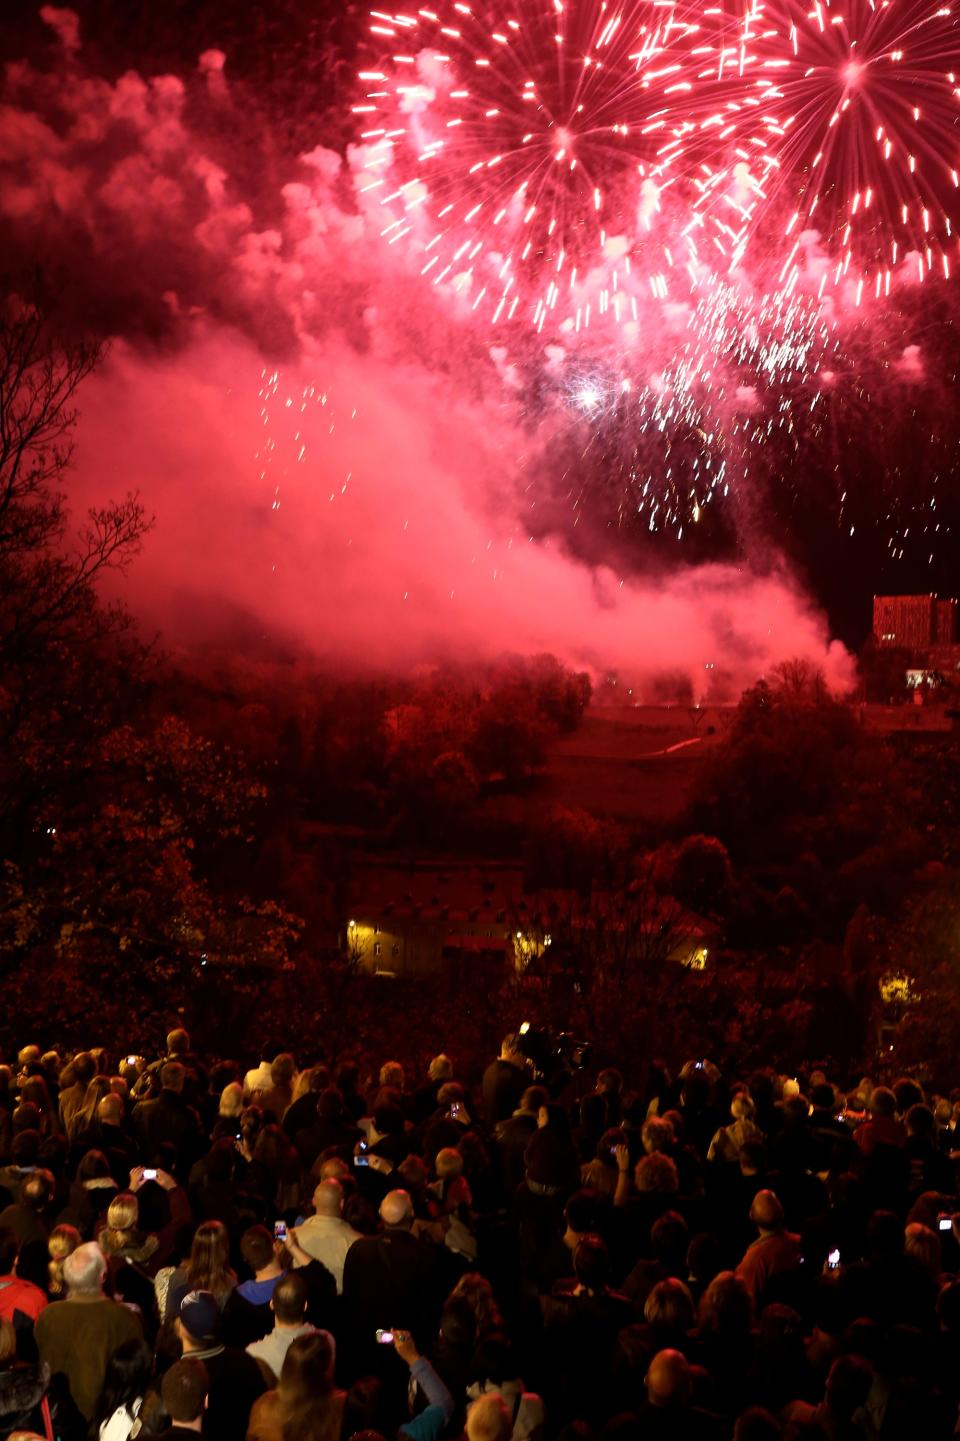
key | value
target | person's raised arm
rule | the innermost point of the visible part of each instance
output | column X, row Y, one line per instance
column 431, row 1423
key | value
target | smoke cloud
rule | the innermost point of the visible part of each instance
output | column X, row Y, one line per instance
column 330, row 455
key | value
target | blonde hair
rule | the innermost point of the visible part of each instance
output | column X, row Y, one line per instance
column 923, row 1245
column 489, row 1419
column 231, row 1099
column 123, row 1212
column 449, row 1163
column 8, row 1340
column 670, row 1304
column 61, row 1243
column 97, row 1087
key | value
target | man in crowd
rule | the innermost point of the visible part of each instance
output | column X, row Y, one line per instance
column 262, row 1254
column 169, row 1121
column 184, row 1392
column 325, row 1235
column 504, row 1081
column 289, row 1307
column 394, row 1278
column 77, row 1337
column 235, row 1379
column 775, row 1252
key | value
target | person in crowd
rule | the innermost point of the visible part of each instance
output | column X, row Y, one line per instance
column 20, row 1301
column 305, row 1402
column 169, row 1121
column 206, row 1269
column 125, row 1383
column 185, row 1389
column 77, row 1338
column 262, row 1254
column 114, row 1139
column 74, row 1080
column 61, row 1243
column 426, row 1098
column 775, row 1252
column 325, row 1235
column 229, row 1111
column 235, row 1379
column 726, row 1144
column 29, row 1217
column 512, row 1136
column 121, row 1239
column 882, row 1126
column 302, row 1111
column 504, row 1081
column 279, row 1094
column 393, row 1278
column 289, row 1306
column 669, row 1411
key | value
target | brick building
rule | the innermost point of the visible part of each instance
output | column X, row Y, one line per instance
column 914, row 622
column 925, row 628
column 423, row 921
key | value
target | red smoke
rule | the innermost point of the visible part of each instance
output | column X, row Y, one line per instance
column 384, row 525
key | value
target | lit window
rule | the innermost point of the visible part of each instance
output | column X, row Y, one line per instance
column 377, row 948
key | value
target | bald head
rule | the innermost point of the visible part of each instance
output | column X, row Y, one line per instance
column 328, row 1198
column 110, row 1110
column 668, row 1379
column 766, row 1211
column 396, row 1209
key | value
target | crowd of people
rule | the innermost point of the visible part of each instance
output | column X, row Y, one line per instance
column 305, row 1252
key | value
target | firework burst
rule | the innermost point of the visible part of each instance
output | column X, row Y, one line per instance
column 854, row 111
column 543, row 164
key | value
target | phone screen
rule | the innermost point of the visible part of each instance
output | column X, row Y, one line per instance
column 833, row 1260
column 149, row 1174
column 280, row 1230
column 385, row 1338
column 361, row 1160
column 946, row 1223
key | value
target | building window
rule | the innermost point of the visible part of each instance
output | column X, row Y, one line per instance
column 377, row 948
column 395, row 950
column 376, row 930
